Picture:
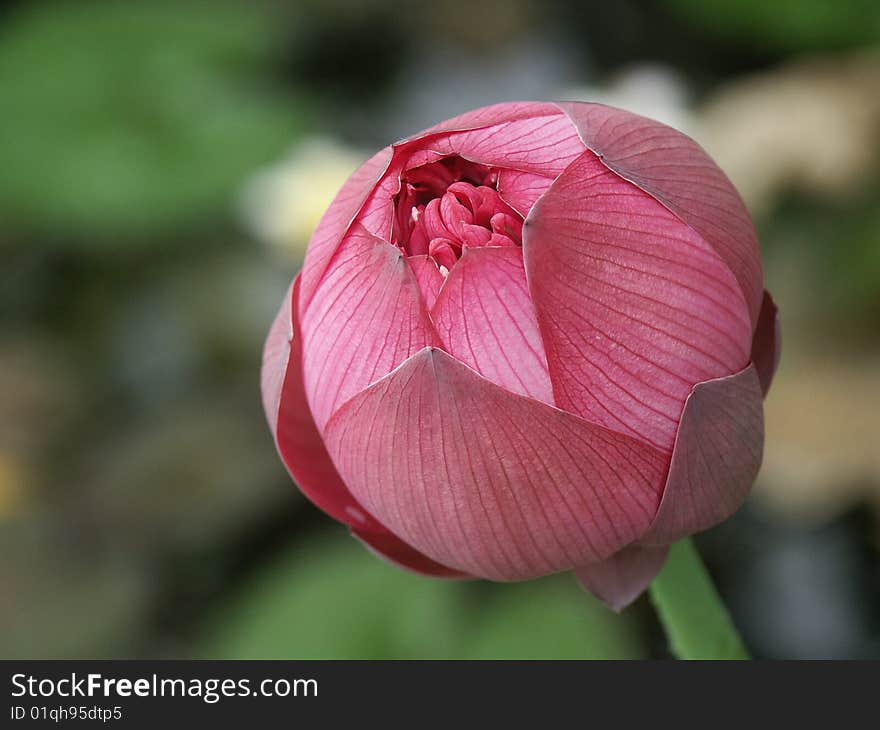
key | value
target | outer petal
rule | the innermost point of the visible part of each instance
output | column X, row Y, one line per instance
column 365, row 318
column 485, row 318
column 767, row 342
column 395, row 551
column 620, row 579
column 338, row 219
column 302, row 449
column 634, row 306
column 677, row 171
column 487, row 482
column 298, row 441
column 544, row 144
column 276, row 354
column 486, row 116
column 716, row 458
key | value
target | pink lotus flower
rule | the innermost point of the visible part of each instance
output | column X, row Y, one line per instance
column 533, row 338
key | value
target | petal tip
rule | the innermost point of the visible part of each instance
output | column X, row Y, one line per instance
column 621, row 579
column 715, row 459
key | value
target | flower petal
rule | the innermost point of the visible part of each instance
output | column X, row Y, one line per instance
column 675, row 170
column 491, row 483
column 276, row 353
column 487, row 116
column 633, row 305
column 521, row 190
column 528, row 135
column 485, row 318
column 716, row 458
column 429, row 277
column 620, row 579
column 365, row 318
column 298, row 441
column 544, row 144
column 767, row 342
column 302, row 448
column 338, row 219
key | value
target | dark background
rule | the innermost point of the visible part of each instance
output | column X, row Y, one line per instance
column 161, row 167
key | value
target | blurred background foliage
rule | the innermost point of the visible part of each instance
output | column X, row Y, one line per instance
column 785, row 25
column 135, row 120
column 161, row 167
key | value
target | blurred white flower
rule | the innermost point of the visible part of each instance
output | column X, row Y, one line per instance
column 282, row 204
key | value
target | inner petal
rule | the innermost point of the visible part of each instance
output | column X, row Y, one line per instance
column 485, row 318
column 449, row 205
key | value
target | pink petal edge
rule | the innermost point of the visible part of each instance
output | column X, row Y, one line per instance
column 276, row 353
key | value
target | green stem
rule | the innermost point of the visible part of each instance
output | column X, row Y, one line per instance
column 697, row 623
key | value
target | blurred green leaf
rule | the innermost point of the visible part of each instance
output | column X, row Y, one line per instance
column 132, row 119
column 786, row 25
column 552, row 618
column 329, row 598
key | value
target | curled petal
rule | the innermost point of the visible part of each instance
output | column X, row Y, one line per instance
column 474, row 236
column 485, row 318
column 487, row 482
column 506, row 225
column 620, row 579
column 767, row 342
column 302, row 449
column 716, row 457
column 634, row 306
column 444, row 251
column 675, row 170
column 367, row 316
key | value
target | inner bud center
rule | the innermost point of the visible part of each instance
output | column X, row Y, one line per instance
column 444, row 207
